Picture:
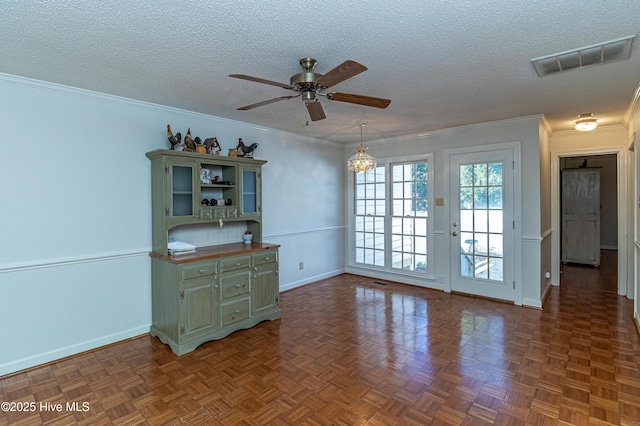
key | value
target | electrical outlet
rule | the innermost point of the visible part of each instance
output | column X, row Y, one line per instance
column 301, row 266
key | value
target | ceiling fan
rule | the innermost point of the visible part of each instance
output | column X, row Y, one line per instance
column 309, row 85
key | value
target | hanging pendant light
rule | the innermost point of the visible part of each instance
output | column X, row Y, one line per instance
column 361, row 161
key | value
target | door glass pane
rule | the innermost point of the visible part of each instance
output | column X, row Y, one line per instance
column 481, row 215
column 480, row 198
column 495, row 174
column 495, row 221
column 480, row 220
column 495, row 197
column 466, row 220
column 480, row 175
column 466, row 175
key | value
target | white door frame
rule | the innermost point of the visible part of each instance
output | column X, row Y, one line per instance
column 517, row 209
column 623, row 163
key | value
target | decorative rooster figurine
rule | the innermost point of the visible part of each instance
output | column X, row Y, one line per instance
column 246, row 151
column 173, row 140
column 189, row 144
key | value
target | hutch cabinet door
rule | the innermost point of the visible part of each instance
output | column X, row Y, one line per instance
column 181, row 196
column 251, row 189
column 199, row 300
column 264, row 288
column 264, row 282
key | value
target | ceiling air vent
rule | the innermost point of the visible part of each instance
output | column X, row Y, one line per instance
column 596, row 54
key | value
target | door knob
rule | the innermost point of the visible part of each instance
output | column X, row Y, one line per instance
column 455, row 223
column 454, row 233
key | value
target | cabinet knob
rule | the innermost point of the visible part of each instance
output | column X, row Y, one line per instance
column 216, row 286
column 201, row 271
column 238, row 264
column 237, row 285
column 267, row 258
column 237, row 311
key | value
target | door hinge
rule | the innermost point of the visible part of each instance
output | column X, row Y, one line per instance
column 166, row 211
column 166, row 170
column 182, row 295
column 182, row 329
column 514, row 284
column 514, row 224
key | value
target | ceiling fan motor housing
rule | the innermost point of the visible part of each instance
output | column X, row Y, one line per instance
column 307, row 78
column 304, row 79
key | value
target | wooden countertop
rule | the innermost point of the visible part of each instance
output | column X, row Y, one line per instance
column 213, row 252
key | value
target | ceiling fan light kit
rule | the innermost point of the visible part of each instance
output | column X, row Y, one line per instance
column 586, row 123
column 309, row 85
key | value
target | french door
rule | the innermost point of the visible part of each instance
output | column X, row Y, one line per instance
column 481, row 223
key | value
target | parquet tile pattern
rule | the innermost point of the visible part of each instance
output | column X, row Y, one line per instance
column 348, row 351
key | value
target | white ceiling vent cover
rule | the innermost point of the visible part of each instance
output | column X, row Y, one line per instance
column 596, row 54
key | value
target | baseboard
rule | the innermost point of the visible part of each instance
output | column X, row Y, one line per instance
column 310, row 280
column 531, row 303
column 546, row 293
column 57, row 354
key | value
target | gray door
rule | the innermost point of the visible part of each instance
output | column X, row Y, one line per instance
column 581, row 216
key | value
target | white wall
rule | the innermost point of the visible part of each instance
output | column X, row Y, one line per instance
column 545, row 211
column 525, row 132
column 633, row 137
column 76, row 218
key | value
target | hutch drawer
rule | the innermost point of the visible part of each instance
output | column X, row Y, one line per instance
column 235, row 311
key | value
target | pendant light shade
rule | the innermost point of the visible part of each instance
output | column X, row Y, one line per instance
column 361, row 161
column 586, row 123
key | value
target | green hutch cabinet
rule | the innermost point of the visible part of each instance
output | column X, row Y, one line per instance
column 219, row 288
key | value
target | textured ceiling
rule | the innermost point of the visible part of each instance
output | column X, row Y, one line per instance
column 442, row 64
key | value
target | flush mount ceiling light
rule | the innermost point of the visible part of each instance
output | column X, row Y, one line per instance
column 582, row 57
column 586, row 123
column 361, row 162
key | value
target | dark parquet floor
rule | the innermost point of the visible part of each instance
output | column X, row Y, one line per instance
column 348, row 351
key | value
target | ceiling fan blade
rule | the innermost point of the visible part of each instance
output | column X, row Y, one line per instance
column 270, row 101
column 359, row 99
column 315, row 111
column 340, row 73
column 262, row 80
